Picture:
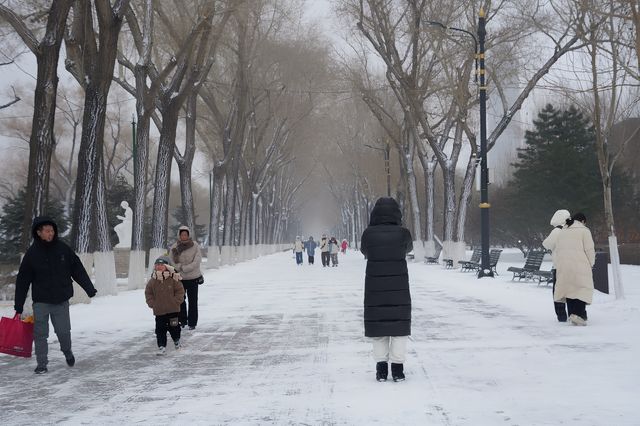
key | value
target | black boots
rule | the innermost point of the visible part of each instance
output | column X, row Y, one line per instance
column 382, row 371
column 397, row 372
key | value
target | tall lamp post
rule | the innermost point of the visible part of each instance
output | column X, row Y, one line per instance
column 485, row 267
column 387, row 169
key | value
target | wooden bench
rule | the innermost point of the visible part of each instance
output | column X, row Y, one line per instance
column 494, row 256
column 466, row 265
column 531, row 265
column 434, row 259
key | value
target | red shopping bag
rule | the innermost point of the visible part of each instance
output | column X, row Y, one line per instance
column 16, row 336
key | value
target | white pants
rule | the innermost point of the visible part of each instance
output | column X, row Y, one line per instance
column 390, row 348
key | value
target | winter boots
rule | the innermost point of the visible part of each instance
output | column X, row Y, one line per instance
column 577, row 320
column 40, row 370
column 71, row 360
column 382, row 371
column 397, row 372
column 161, row 350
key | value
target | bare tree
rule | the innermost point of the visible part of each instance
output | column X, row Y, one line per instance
column 607, row 103
column 41, row 141
column 91, row 56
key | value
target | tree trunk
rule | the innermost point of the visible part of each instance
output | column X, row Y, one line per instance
column 159, row 223
column 89, row 163
column 104, row 260
column 185, row 164
column 41, row 141
column 429, row 168
column 409, row 152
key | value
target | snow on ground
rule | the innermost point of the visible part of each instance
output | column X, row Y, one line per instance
column 280, row 344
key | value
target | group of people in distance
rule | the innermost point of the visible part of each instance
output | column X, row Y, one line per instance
column 329, row 250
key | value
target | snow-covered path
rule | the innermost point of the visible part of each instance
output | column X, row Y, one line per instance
column 280, row 344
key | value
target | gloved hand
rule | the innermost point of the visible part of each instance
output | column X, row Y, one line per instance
column 92, row 292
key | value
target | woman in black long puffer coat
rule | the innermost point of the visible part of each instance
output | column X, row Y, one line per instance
column 387, row 300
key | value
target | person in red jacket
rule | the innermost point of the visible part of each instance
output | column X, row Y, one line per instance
column 344, row 246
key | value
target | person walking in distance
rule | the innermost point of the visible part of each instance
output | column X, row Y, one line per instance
column 48, row 267
column 558, row 221
column 324, row 250
column 344, row 246
column 574, row 256
column 334, row 249
column 186, row 260
column 310, row 246
column 298, row 249
column 387, row 299
column 164, row 294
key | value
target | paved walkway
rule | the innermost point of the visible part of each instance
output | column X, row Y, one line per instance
column 281, row 344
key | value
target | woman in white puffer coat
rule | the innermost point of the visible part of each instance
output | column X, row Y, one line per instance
column 574, row 255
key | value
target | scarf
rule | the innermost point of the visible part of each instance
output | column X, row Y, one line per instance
column 166, row 274
column 180, row 247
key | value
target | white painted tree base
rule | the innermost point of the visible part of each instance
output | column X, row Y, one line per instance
column 618, row 288
column 104, row 264
column 154, row 253
column 430, row 248
column 454, row 250
column 137, row 270
column 418, row 251
column 79, row 295
column 213, row 257
column 225, row 255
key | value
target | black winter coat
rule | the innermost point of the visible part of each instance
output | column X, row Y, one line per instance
column 49, row 268
column 387, row 300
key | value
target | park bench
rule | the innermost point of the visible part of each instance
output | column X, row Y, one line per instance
column 531, row 265
column 433, row 259
column 465, row 265
column 494, row 256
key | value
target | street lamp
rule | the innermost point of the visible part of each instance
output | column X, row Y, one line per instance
column 485, row 268
column 387, row 169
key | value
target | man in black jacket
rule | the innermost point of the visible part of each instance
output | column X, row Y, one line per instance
column 387, row 300
column 48, row 266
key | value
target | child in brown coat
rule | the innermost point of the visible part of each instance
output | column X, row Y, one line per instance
column 164, row 294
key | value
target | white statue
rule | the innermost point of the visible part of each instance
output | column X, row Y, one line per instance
column 123, row 229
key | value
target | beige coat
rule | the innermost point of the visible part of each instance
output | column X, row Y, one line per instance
column 164, row 292
column 574, row 255
column 188, row 261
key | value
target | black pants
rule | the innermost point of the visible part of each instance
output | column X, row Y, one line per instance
column 577, row 307
column 325, row 258
column 163, row 325
column 189, row 314
column 311, row 260
column 561, row 312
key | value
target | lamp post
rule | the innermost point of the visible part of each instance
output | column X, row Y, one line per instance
column 387, row 169
column 485, row 267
